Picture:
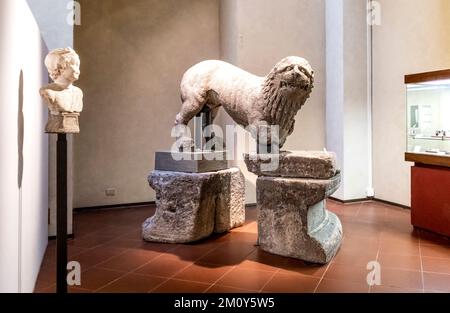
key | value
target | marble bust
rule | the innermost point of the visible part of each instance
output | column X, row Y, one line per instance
column 64, row 100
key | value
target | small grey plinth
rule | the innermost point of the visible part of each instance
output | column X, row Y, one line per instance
column 191, row 162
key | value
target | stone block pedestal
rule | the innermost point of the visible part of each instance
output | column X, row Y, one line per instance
column 293, row 220
column 191, row 206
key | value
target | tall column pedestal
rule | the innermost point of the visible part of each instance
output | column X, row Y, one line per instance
column 293, row 220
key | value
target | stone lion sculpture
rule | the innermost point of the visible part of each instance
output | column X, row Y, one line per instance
column 249, row 99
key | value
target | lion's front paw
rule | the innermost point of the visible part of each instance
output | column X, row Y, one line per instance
column 185, row 144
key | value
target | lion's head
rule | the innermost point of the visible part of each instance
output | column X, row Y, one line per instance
column 293, row 74
column 286, row 88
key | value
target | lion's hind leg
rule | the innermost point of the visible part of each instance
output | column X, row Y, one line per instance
column 189, row 109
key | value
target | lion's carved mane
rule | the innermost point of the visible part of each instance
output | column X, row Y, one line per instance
column 281, row 109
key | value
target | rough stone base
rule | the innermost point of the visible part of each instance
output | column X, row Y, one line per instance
column 191, row 206
column 293, row 220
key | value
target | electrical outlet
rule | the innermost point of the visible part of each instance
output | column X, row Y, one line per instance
column 110, row 192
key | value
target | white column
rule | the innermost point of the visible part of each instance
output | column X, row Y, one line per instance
column 347, row 109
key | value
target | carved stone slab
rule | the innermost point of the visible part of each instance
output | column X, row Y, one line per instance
column 302, row 164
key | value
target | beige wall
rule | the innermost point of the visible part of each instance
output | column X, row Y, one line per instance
column 133, row 54
column 277, row 29
column 256, row 34
column 413, row 37
column 141, row 49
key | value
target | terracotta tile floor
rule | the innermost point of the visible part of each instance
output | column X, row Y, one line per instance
column 113, row 258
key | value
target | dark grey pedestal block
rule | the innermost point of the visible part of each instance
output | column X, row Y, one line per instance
column 293, row 220
column 191, row 162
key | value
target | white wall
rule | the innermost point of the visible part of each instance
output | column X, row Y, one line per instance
column 51, row 16
column 413, row 37
column 255, row 35
column 335, row 83
column 23, row 149
column 347, row 110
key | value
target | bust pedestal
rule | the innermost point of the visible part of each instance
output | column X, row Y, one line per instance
column 64, row 123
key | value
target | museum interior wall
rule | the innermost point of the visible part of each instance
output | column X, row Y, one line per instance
column 133, row 56
column 23, row 149
column 251, row 39
column 142, row 48
column 404, row 43
column 51, row 17
column 356, row 168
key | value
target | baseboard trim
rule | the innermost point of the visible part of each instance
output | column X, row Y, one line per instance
column 127, row 205
column 351, row 200
column 392, row 203
column 114, row 206
column 371, row 199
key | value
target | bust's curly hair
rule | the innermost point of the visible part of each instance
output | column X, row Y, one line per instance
column 57, row 60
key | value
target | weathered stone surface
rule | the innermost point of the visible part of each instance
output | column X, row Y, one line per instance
column 301, row 164
column 63, row 123
column 190, row 206
column 293, row 220
column 230, row 205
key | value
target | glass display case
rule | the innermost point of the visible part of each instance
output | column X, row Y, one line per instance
column 428, row 142
column 428, row 113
